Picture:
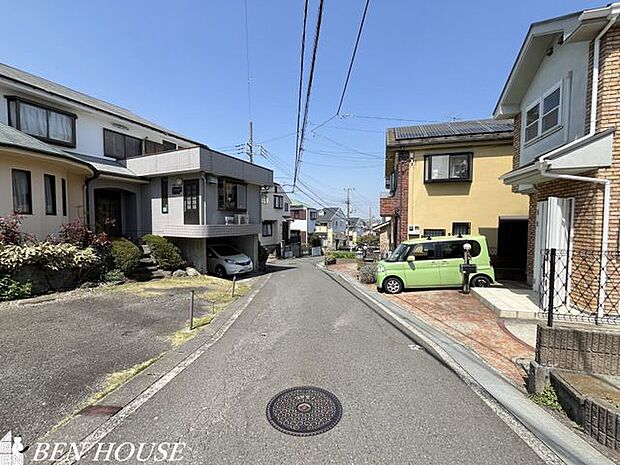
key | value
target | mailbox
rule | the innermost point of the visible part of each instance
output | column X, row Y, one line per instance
column 468, row 268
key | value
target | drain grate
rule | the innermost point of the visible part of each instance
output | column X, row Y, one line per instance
column 304, row 411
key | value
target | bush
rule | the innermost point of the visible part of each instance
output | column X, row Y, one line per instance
column 167, row 255
column 342, row 254
column 367, row 273
column 10, row 230
column 315, row 240
column 113, row 276
column 126, row 255
column 11, row 289
column 53, row 257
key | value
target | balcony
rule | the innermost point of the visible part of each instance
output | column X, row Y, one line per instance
column 205, row 231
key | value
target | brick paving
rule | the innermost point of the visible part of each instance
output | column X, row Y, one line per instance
column 467, row 320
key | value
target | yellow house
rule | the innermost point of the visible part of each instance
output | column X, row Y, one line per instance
column 443, row 179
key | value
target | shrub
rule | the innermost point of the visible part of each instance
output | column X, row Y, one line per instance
column 315, row 240
column 263, row 255
column 53, row 257
column 78, row 234
column 126, row 255
column 113, row 276
column 342, row 254
column 367, row 273
column 167, row 254
column 11, row 289
column 10, row 230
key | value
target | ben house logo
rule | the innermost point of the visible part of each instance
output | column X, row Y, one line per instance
column 12, row 451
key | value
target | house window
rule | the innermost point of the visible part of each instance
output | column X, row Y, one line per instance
column 278, row 200
column 267, row 228
column 434, row 232
column 231, row 195
column 120, row 146
column 264, row 198
column 285, row 207
column 296, row 214
column 42, row 122
column 448, row 167
column 169, row 146
column 22, row 192
column 543, row 115
column 153, row 147
column 63, row 191
column 50, row 194
column 164, row 195
column 461, row 228
column 313, row 215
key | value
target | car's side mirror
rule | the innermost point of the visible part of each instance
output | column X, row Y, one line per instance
column 411, row 258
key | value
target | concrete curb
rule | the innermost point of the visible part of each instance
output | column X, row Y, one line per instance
column 82, row 427
column 550, row 439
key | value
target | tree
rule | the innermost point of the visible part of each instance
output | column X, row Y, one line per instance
column 369, row 240
column 315, row 240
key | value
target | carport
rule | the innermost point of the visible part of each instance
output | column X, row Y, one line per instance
column 246, row 244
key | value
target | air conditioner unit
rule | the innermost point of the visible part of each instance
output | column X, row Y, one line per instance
column 242, row 218
column 414, row 229
column 229, row 220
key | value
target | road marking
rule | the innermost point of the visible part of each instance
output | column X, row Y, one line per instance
column 114, row 422
column 415, row 347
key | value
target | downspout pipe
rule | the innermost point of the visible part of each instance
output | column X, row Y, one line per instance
column 544, row 165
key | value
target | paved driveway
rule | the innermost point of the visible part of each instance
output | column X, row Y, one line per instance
column 55, row 355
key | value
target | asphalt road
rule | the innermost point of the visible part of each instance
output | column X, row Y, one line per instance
column 399, row 405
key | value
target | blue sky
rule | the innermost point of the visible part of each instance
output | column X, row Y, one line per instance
column 183, row 65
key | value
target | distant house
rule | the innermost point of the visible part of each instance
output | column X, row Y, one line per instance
column 356, row 227
column 563, row 94
column 443, row 179
column 302, row 226
column 331, row 226
column 276, row 216
column 383, row 230
column 66, row 155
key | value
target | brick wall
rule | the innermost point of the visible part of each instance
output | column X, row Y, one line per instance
column 396, row 206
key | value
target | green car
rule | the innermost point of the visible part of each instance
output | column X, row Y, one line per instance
column 434, row 262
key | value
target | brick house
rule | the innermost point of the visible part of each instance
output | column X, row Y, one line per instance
column 442, row 179
column 564, row 95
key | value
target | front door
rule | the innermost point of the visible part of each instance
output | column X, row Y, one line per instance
column 424, row 271
column 191, row 201
column 108, row 212
column 554, row 221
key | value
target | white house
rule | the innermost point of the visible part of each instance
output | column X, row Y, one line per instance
column 66, row 155
column 331, row 225
column 276, row 216
column 302, row 226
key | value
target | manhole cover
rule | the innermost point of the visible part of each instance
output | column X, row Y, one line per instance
column 304, row 411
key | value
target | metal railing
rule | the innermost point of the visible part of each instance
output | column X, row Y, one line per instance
column 579, row 285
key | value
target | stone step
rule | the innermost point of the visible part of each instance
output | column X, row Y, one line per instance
column 146, row 250
column 148, row 261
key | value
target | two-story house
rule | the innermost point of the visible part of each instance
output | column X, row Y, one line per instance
column 564, row 95
column 67, row 155
column 302, row 226
column 443, row 179
column 356, row 228
column 331, row 226
column 276, row 216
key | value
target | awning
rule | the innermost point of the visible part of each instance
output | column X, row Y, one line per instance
column 589, row 153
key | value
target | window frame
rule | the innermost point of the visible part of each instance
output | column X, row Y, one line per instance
column 426, row 234
column 468, row 223
column 226, row 206
column 163, row 191
column 63, row 193
column 278, row 202
column 270, row 226
column 17, row 123
column 54, row 205
column 264, row 198
column 29, row 182
column 428, row 166
column 540, row 134
column 314, row 215
column 125, row 136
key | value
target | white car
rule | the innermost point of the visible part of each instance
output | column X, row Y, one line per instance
column 225, row 260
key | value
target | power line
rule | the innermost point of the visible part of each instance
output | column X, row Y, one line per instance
column 301, row 76
column 352, row 115
column 357, row 41
column 315, row 47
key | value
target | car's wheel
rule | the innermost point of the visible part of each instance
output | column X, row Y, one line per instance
column 220, row 271
column 393, row 285
column 480, row 281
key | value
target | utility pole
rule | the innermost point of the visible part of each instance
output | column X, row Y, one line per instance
column 348, row 203
column 251, row 145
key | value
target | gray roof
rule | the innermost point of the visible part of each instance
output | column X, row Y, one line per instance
column 105, row 166
column 11, row 137
column 22, row 77
column 453, row 128
column 329, row 213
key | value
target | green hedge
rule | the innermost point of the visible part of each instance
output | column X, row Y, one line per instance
column 341, row 254
column 126, row 255
column 167, row 254
column 11, row 289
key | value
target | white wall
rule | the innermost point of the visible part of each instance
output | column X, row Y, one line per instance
column 568, row 64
